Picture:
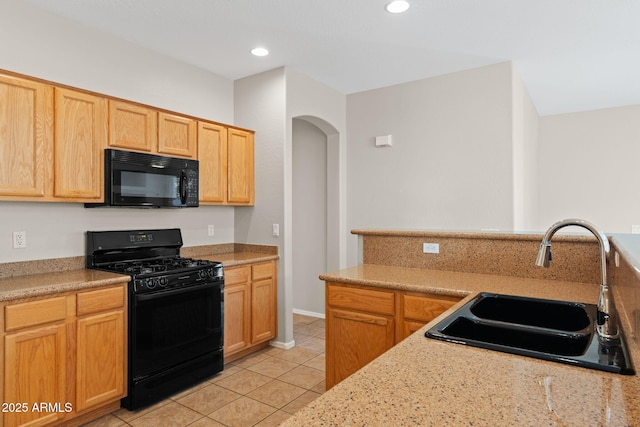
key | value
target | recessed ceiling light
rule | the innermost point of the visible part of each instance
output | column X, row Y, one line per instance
column 259, row 51
column 397, row 6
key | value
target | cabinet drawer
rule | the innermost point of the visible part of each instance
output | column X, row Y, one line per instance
column 236, row 275
column 35, row 313
column 426, row 308
column 100, row 300
column 262, row 271
column 371, row 301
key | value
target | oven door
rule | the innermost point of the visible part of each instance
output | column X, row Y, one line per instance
column 175, row 326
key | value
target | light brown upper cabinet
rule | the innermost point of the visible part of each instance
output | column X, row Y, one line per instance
column 80, row 135
column 132, row 127
column 26, row 138
column 240, row 167
column 52, row 141
column 226, row 165
column 177, row 135
column 212, row 154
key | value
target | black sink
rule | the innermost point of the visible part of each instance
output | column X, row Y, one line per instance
column 560, row 315
column 559, row 331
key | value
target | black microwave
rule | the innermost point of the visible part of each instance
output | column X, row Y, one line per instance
column 148, row 181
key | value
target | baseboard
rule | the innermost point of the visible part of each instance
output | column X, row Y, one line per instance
column 309, row 313
column 283, row 345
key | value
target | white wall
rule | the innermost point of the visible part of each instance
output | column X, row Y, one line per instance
column 450, row 166
column 525, row 157
column 588, row 168
column 43, row 45
column 324, row 107
column 309, row 216
column 260, row 105
column 267, row 103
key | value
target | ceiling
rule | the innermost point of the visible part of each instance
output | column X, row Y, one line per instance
column 572, row 55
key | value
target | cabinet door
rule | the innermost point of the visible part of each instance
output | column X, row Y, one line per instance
column 26, row 137
column 236, row 317
column 80, row 138
column 35, row 372
column 176, row 135
column 353, row 340
column 132, row 127
column 418, row 310
column 263, row 310
column 100, row 359
column 212, row 155
column 241, row 167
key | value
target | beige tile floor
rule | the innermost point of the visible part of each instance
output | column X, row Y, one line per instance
column 262, row 389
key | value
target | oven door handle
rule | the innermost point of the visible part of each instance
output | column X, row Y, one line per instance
column 165, row 293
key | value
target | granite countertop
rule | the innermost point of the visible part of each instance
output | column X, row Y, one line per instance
column 232, row 259
column 33, row 285
column 423, row 381
column 45, row 277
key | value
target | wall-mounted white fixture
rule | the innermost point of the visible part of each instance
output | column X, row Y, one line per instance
column 431, row 248
column 384, row 141
column 397, row 6
column 19, row 239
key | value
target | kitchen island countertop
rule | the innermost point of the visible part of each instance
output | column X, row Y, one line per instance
column 422, row 382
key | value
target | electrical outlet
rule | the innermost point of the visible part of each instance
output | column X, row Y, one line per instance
column 431, row 248
column 211, row 231
column 19, row 239
column 635, row 229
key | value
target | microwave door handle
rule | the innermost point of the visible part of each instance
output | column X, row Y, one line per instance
column 183, row 187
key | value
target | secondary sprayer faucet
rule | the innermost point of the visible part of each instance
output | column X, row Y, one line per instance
column 607, row 321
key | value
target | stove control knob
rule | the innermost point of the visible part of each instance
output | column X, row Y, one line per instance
column 163, row 281
column 150, row 283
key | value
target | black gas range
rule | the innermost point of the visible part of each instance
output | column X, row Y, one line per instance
column 153, row 275
column 175, row 310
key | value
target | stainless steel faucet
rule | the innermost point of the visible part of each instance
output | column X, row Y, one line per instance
column 607, row 321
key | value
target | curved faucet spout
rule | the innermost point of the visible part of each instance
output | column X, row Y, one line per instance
column 607, row 322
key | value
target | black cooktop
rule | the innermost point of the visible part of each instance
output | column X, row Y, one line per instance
column 169, row 265
column 151, row 257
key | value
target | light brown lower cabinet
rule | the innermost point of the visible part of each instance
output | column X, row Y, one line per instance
column 64, row 357
column 364, row 322
column 250, row 308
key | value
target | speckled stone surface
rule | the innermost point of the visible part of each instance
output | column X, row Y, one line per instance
column 10, row 269
column 33, row 285
column 574, row 257
column 424, row 382
column 460, row 283
column 233, row 253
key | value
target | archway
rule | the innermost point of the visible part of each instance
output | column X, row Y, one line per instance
column 316, row 211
